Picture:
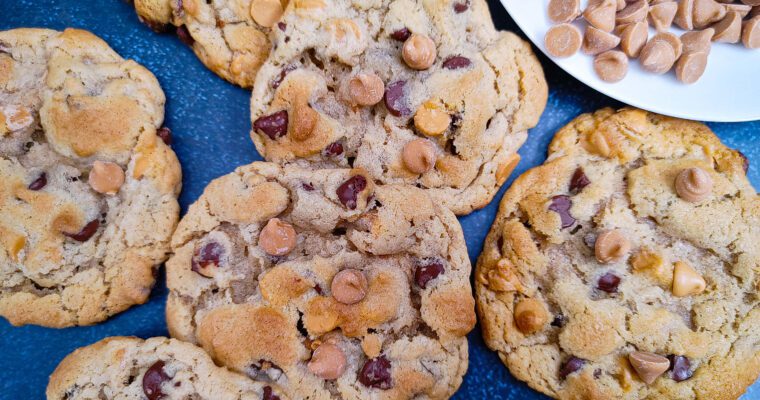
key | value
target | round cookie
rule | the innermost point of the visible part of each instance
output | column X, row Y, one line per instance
column 87, row 187
column 157, row 368
column 324, row 283
column 426, row 93
column 626, row 265
column 229, row 36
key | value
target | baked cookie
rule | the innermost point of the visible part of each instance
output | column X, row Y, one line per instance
column 324, row 283
column 419, row 92
column 626, row 266
column 229, row 36
column 157, row 368
column 88, row 188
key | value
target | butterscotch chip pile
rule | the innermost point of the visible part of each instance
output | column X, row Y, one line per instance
column 619, row 29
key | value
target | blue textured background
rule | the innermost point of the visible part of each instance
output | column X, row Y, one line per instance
column 210, row 121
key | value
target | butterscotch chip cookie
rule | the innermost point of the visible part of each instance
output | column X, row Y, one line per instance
column 447, row 76
column 153, row 369
column 625, row 267
column 229, row 36
column 88, row 189
column 370, row 300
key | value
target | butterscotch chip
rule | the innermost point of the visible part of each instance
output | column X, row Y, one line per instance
column 662, row 15
column 684, row 15
column 563, row 40
column 673, row 40
column 304, row 121
column 266, row 12
column 349, row 286
column 729, row 29
column 691, row 66
column 693, row 184
column 419, row 156
column 751, row 33
column 277, row 238
column 611, row 66
column 106, row 177
column 648, row 366
column 419, row 52
column 706, row 12
column 657, row 56
column 620, row 5
column 754, row 3
column 697, row 41
column 327, row 362
column 601, row 14
column 431, row 119
column 597, row 41
column 611, row 246
column 633, row 12
column 742, row 9
column 561, row 11
column 505, row 169
column 366, row 89
column 687, row 281
column 633, row 38
column 530, row 316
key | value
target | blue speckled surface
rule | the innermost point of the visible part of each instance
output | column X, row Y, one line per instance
column 210, row 121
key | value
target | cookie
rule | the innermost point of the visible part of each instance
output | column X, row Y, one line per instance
column 626, row 265
column 324, row 283
column 425, row 93
column 229, row 36
column 88, row 188
column 157, row 368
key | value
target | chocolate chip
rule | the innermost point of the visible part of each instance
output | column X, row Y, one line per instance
column 268, row 392
column 376, row 373
column 427, row 271
column 401, row 35
column 456, row 62
column 166, row 135
column 283, row 73
column 307, row 186
column 608, row 282
column 184, row 35
column 333, row 149
column 461, row 7
column 153, row 379
column 561, row 205
column 273, row 125
column 559, row 321
column 597, row 373
column 745, row 161
column 206, row 255
column 395, row 100
column 39, row 183
column 350, row 189
column 318, row 289
column 578, row 181
column 282, row 26
column 681, row 367
column 86, row 233
column 571, row 365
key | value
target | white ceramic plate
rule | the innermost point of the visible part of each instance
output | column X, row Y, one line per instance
column 729, row 91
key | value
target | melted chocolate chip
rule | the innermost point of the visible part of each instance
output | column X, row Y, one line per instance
column 207, row 255
column 578, row 181
column 307, row 186
column 571, row 365
column 39, row 183
column 461, row 7
column 318, row 289
column 561, row 205
column 456, row 62
column 608, row 283
column 401, row 35
column 282, row 26
column 283, row 73
column 153, row 379
column 745, row 161
column 395, row 100
column 350, row 189
column 376, row 373
column 86, row 233
column 681, row 367
column 333, row 149
column 427, row 271
column 559, row 321
column 273, row 125
column 166, row 135
column 184, row 35
column 269, row 394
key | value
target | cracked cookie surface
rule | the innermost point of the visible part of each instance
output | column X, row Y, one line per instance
column 156, row 368
column 422, row 92
column 87, row 188
column 626, row 265
column 324, row 283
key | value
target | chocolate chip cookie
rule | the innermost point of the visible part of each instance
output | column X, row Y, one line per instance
column 88, row 187
column 324, row 283
column 626, row 266
column 153, row 369
column 229, row 36
column 426, row 93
